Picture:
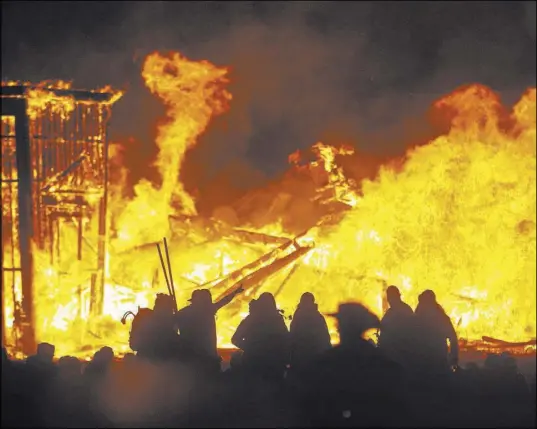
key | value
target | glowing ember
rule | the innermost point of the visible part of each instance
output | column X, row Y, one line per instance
column 43, row 95
column 39, row 98
column 459, row 218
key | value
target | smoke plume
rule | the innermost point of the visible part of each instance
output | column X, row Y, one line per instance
column 353, row 72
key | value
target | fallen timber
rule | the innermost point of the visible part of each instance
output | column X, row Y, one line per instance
column 287, row 278
column 252, row 266
column 261, row 268
column 257, row 237
column 235, row 234
column 269, row 270
column 491, row 345
column 507, row 344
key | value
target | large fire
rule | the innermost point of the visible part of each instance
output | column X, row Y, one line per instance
column 458, row 217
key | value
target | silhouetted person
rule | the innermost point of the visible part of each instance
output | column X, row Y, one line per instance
column 433, row 330
column 264, row 339
column 153, row 332
column 68, row 398
column 239, row 338
column 69, row 367
column 309, row 333
column 40, row 367
column 97, row 375
column 43, row 359
column 40, row 372
column 505, row 396
column 100, row 364
column 163, row 328
column 504, row 378
column 197, row 328
column 397, row 329
column 129, row 360
column 353, row 384
column 197, row 325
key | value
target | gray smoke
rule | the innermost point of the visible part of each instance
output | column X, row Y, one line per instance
column 355, row 72
column 530, row 18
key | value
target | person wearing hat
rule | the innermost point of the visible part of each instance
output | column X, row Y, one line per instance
column 396, row 329
column 196, row 322
column 353, row 320
column 351, row 374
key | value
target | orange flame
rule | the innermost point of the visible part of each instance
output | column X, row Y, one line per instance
column 193, row 92
column 459, row 218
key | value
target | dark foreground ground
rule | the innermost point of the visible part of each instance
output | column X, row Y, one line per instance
column 147, row 395
column 527, row 363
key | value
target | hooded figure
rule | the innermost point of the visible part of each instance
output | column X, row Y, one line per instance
column 351, row 382
column 309, row 333
column 433, row 329
column 197, row 325
column 240, row 336
column 396, row 329
column 264, row 338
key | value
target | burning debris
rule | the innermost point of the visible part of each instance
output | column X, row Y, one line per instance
column 54, row 165
column 458, row 217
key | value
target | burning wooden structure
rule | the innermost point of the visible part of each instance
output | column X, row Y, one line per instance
column 54, row 171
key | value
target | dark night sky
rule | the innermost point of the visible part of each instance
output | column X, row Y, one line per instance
column 365, row 71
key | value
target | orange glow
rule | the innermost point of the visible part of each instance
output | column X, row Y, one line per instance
column 459, row 218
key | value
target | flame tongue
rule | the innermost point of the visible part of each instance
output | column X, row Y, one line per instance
column 459, row 218
column 193, row 92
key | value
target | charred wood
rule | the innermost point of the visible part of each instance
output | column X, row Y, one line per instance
column 258, row 237
column 265, row 271
column 502, row 343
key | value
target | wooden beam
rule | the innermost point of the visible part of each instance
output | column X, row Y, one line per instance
column 264, row 272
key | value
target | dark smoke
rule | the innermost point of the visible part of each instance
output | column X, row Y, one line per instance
column 357, row 72
column 530, row 18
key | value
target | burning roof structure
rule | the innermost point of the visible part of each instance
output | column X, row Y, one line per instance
column 457, row 215
column 54, row 172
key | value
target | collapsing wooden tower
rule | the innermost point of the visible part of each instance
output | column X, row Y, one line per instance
column 54, row 171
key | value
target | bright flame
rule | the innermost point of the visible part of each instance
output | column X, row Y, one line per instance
column 43, row 95
column 40, row 96
column 459, row 218
column 462, row 211
column 193, row 92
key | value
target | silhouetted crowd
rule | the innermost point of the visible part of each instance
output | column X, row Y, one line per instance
column 280, row 377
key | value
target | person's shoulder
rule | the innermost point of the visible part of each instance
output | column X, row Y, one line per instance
column 183, row 311
column 319, row 315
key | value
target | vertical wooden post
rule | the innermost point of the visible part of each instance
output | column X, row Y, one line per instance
column 99, row 284
column 2, row 286
column 24, row 170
